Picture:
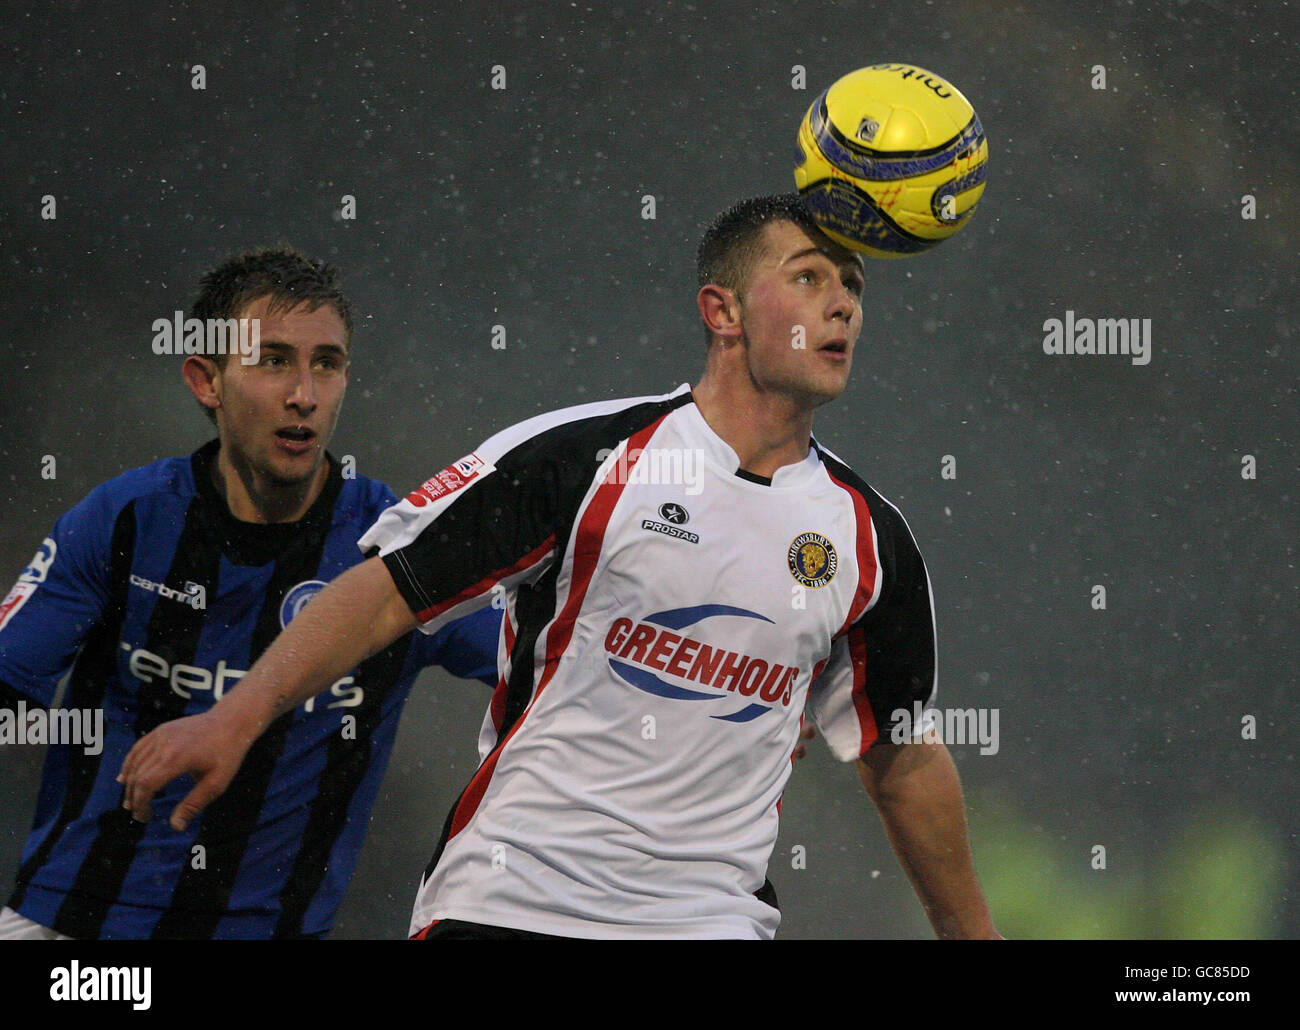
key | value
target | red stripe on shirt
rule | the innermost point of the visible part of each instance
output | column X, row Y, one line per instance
column 861, row 704
column 588, row 543
column 866, row 552
column 485, row 584
column 589, row 538
column 498, row 707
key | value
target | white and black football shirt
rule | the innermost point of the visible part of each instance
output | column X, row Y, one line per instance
column 668, row 618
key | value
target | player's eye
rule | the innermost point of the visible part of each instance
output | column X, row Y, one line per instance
column 854, row 285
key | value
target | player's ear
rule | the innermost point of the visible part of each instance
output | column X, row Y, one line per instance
column 720, row 309
column 202, row 376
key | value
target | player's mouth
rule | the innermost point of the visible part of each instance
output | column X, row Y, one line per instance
column 295, row 439
column 836, row 350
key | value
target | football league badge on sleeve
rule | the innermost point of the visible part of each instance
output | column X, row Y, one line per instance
column 455, row 476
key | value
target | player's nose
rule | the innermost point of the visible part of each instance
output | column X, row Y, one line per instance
column 303, row 394
column 843, row 303
column 844, row 306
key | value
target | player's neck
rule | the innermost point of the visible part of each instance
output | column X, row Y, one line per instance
column 252, row 498
column 766, row 430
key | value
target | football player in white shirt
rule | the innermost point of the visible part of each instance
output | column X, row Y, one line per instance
column 795, row 584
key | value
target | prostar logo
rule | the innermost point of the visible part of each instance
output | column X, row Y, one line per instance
column 674, row 513
column 637, row 651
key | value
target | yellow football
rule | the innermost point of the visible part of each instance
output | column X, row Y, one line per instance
column 892, row 160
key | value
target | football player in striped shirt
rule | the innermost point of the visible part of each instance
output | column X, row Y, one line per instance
column 159, row 590
column 683, row 575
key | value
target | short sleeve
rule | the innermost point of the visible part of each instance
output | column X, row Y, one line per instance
column 495, row 522
column 451, row 541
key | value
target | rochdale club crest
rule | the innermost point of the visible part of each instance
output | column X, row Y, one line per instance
column 812, row 560
column 296, row 598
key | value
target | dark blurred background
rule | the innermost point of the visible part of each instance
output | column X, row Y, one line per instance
column 523, row 207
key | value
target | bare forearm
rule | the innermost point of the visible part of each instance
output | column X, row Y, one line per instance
column 355, row 616
column 918, row 794
column 358, row 614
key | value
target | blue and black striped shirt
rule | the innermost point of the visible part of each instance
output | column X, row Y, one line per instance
column 159, row 600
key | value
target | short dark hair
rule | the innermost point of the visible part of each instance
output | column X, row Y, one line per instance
column 734, row 239
column 282, row 274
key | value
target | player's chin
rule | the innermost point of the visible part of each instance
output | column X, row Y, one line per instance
column 811, row 388
column 809, row 397
column 829, row 386
column 290, row 470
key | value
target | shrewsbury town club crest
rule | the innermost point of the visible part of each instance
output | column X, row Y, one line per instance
column 812, row 560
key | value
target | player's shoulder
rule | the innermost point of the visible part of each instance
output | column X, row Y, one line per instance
column 600, row 420
column 168, row 477
column 361, row 497
column 883, row 513
column 157, row 492
column 888, row 537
